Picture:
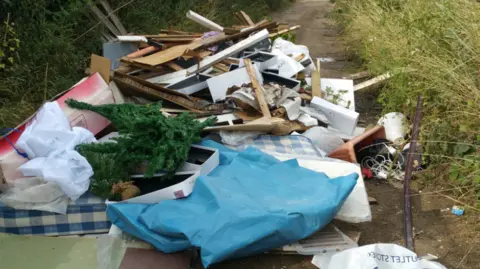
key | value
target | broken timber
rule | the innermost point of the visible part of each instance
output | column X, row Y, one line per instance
column 258, row 89
column 156, row 92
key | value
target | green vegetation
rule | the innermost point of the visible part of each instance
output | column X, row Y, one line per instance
column 146, row 136
column 52, row 41
column 433, row 48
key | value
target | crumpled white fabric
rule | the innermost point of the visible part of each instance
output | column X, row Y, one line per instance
column 376, row 256
column 34, row 194
column 50, row 144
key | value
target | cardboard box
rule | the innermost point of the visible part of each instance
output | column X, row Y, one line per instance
column 155, row 190
column 201, row 159
column 93, row 90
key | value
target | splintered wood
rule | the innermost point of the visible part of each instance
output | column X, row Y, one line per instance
column 258, row 89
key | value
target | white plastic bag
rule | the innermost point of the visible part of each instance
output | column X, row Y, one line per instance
column 49, row 143
column 47, row 131
column 324, row 139
column 67, row 168
column 35, row 194
column 377, row 256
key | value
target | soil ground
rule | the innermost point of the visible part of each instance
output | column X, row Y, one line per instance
column 453, row 239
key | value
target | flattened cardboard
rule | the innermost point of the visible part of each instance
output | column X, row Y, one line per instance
column 101, row 65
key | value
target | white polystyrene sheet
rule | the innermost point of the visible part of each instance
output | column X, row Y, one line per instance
column 338, row 87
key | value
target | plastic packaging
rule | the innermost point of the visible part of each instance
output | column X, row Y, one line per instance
column 49, row 142
column 377, row 256
column 35, row 194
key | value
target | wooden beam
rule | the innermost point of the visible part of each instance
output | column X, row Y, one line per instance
column 316, row 82
column 372, row 82
column 240, row 18
column 247, row 18
column 284, row 31
column 174, row 66
column 105, row 20
column 258, row 89
column 113, row 17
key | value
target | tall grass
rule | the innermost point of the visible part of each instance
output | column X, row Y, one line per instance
column 433, row 47
column 53, row 51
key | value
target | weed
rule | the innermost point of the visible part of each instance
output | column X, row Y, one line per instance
column 438, row 42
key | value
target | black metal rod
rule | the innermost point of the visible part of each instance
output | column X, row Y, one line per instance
column 407, row 209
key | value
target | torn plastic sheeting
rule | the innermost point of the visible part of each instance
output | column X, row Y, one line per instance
column 249, row 204
column 376, row 256
column 33, row 193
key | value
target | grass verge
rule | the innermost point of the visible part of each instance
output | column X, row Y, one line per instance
column 433, row 47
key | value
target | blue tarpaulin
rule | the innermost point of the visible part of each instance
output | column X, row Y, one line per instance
column 249, row 204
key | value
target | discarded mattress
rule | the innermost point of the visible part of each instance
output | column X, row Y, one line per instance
column 84, row 216
column 249, row 204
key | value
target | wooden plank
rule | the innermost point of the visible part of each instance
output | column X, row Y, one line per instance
column 247, row 18
column 285, row 31
column 104, row 19
column 316, row 87
column 222, row 67
column 113, row 17
column 153, row 91
column 172, row 53
column 372, row 82
column 240, row 18
column 204, row 21
column 174, row 66
column 359, row 75
column 101, row 65
column 300, row 57
column 258, row 89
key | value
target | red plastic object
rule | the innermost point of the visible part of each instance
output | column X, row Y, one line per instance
column 346, row 152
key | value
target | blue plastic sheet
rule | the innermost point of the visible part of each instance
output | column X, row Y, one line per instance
column 249, row 204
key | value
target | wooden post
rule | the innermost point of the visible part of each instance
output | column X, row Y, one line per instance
column 247, row 18
column 316, row 82
column 258, row 90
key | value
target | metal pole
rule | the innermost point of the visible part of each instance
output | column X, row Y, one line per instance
column 407, row 210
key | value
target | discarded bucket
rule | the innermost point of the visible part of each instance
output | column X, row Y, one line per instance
column 394, row 123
